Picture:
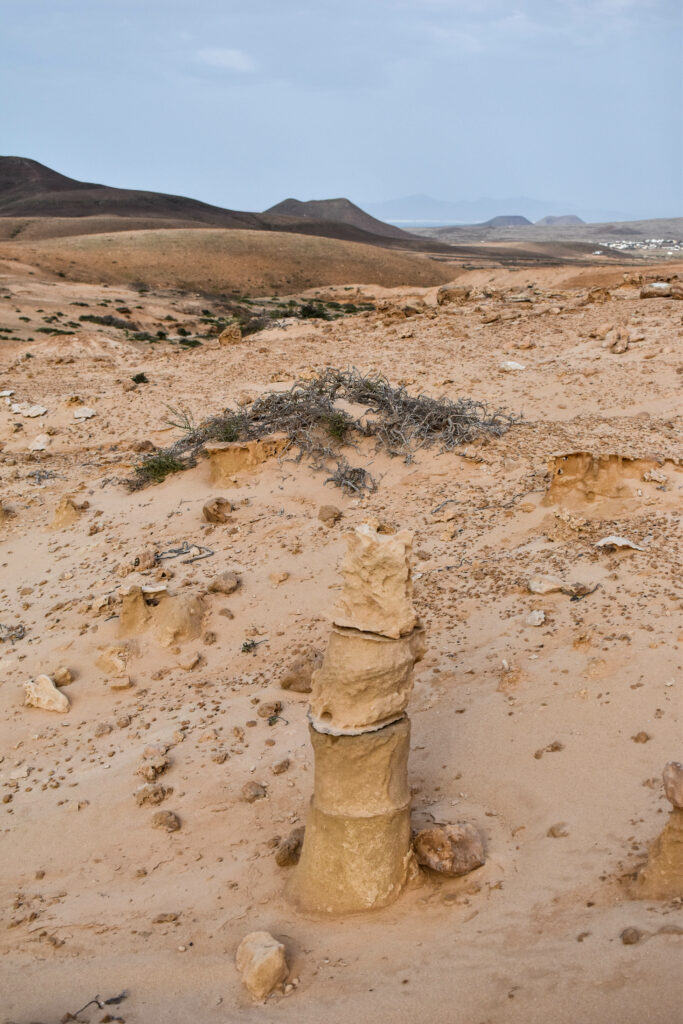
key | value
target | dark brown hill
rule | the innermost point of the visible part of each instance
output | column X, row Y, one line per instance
column 339, row 211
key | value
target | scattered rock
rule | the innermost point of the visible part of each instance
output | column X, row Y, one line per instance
column 641, row 737
column 167, row 918
column 298, row 674
column 656, row 290
column 552, row 748
column 217, row 510
column 154, row 762
column 151, row 793
column 66, row 513
column 103, row 729
column 166, row 820
column 452, row 294
column 276, row 578
column 226, row 583
column 28, row 410
column 230, row 335
column 261, row 961
column 269, row 708
column 280, row 766
column 329, row 515
column 42, row 693
column 510, row 366
column 672, row 777
column 84, row 413
column 535, row 618
column 288, row 851
column 630, row 936
column 62, row 676
column 39, row 443
column 539, row 584
column 450, row 849
column 613, row 542
column 252, row 791
column 558, row 831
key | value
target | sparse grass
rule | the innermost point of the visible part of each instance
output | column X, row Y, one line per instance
column 399, row 422
column 155, row 468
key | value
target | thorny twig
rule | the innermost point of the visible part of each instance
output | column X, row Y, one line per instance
column 316, row 425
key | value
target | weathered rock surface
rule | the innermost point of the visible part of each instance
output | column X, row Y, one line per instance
column 661, row 878
column 329, row 515
column 230, row 335
column 365, row 679
column 229, row 457
column 262, row 962
column 226, row 583
column 452, row 294
column 253, row 791
column 42, row 693
column 217, row 510
column 166, row 820
column 672, row 777
column 450, row 849
column 377, row 595
column 288, row 850
column 297, row 676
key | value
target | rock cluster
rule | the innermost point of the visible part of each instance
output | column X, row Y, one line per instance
column 661, row 878
column 356, row 849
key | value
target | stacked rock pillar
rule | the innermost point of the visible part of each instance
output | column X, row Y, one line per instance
column 356, row 850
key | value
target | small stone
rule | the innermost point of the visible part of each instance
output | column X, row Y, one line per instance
column 226, row 583
column 166, row 820
column 252, row 791
column 535, row 618
column 151, row 793
column 276, row 578
column 103, row 729
column 154, row 762
column 641, row 737
column 672, row 776
column 510, row 366
column 298, row 674
column 217, row 510
column 329, row 515
column 62, row 676
column 231, row 335
column 84, row 413
column 288, row 851
column 540, row 584
column 280, row 766
column 42, row 693
column 450, row 849
column 261, row 961
column 165, row 918
column 630, row 936
column 557, row 831
column 269, row 708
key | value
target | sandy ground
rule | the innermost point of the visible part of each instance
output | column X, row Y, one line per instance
column 532, row 936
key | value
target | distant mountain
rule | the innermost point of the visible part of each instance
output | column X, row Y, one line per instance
column 567, row 218
column 421, row 209
column 341, row 211
column 505, row 221
column 41, row 202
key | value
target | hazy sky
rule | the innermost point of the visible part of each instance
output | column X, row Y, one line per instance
column 244, row 102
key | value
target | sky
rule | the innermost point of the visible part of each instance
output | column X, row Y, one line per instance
column 242, row 103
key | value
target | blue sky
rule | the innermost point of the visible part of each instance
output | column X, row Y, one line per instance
column 244, row 102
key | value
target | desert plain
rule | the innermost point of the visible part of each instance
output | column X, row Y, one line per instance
column 547, row 731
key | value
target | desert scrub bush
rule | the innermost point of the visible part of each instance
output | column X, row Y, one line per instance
column 140, row 378
column 308, row 414
column 109, row 321
column 155, row 468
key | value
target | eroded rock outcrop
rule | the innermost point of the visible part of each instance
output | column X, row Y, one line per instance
column 356, row 850
column 661, row 878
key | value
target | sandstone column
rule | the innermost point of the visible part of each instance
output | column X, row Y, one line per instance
column 356, row 849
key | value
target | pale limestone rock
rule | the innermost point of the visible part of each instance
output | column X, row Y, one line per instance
column 217, row 510
column 535, row 618
column 450, row 849
column 350, row 864
column 42, row 693
column 229, row 457
column 261, row 961
column 672, row 777
column 377, row 595
column 452, row 293
column 362, row 776
column 297, row 676
column 231, row 335
column 329, row 515
column 365, row 680
column 174, row 619
column 225, row 583
column 540, row 584
column 66, row 513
